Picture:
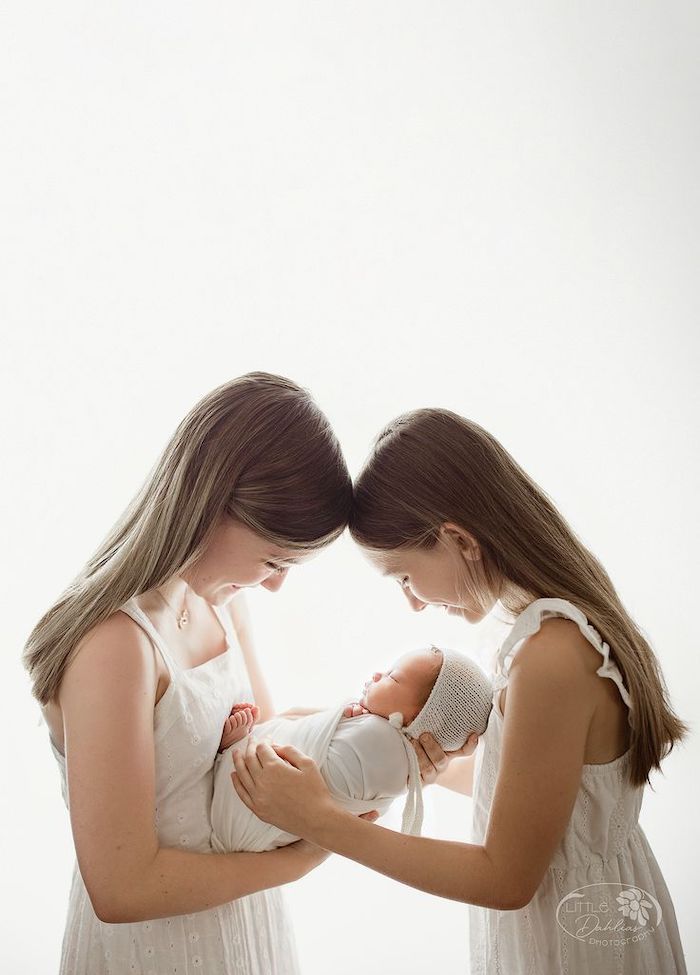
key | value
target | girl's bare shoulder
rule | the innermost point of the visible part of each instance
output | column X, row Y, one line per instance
column 559, row 644
column 117, row 646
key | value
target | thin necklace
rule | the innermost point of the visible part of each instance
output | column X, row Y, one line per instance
column 184, row 616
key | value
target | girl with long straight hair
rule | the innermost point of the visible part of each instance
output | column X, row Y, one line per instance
column 141, row 660
column 559, row 875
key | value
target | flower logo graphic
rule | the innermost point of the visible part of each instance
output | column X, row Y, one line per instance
column 634, row 905
column 609, row 914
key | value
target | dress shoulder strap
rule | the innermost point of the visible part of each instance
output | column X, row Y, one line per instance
column 224, row 618
column 138, row 616
column 529, row 622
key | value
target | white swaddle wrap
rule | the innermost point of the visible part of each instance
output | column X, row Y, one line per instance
column 364, row 762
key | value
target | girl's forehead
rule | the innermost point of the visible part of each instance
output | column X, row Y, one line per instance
column 291, row 555
column 388, row 562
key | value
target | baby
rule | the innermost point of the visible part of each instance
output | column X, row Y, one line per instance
column 362, row 749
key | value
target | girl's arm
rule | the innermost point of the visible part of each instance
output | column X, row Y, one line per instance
column 107, row 697
column 550, row 710
column 240, row 616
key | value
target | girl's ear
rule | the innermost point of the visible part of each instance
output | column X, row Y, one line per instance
column 464, row 540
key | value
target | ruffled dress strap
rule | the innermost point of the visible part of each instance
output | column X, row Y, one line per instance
column 530, row 621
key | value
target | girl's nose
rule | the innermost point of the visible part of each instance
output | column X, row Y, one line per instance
column 274, row 581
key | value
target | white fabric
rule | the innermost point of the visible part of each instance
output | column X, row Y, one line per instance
column 603, row 844
column 362, row 761
column 250, row 936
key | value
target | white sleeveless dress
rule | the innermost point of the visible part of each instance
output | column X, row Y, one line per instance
column 622, row 922
column 248, row 936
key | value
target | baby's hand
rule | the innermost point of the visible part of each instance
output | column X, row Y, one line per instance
column 354, row 709
column 238, row 724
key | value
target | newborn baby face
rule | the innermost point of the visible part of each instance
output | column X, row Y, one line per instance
column 405, row 687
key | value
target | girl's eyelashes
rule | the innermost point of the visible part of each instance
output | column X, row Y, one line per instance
column 277, row 568
column 403, row 582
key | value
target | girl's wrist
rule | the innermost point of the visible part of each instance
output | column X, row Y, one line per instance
column 330, row 826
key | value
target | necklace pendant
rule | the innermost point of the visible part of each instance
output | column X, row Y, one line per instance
column 183, row 619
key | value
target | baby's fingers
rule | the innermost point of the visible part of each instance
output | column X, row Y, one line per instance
column 354, row 709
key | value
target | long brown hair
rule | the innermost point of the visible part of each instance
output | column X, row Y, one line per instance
column 431, row 466
column 256, row 448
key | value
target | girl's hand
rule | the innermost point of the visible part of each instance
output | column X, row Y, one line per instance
column 282, row 786
column 432, row 759
column 354, row 709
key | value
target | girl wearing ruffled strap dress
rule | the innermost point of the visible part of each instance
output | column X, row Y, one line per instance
column 138, row 665
column 559, row 877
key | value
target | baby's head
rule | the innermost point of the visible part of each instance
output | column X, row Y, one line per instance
column 405, row 686
column 440, row 691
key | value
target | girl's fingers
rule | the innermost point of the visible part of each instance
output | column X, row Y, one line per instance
column 424, row 762
column 292, row 755
column 242, row 773
column 370, row 816
column 252, row 758
column 435, row 753
column 243, row 793
column 469, row 747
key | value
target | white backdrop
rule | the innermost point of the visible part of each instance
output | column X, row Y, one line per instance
column 487, row 207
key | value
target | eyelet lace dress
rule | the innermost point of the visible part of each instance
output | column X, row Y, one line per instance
column 603, row 907
column 249, row 936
